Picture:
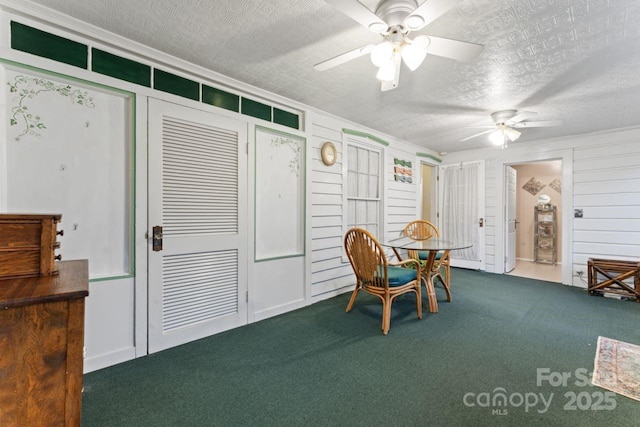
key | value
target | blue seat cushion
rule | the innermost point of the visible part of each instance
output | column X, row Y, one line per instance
column 425, row 255
column 400, row 276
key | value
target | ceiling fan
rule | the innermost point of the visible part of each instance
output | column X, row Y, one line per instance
column 394, row 20
column 505, row 124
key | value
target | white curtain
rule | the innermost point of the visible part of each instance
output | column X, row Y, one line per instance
column 459, row 214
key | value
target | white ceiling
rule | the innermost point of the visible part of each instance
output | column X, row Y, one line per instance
column 572, row 60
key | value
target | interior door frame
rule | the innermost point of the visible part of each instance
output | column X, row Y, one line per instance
column 517, row 157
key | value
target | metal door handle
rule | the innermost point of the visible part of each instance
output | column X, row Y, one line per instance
column 481, row 222
column 157, row 238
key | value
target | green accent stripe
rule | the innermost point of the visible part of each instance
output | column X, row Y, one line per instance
column 47, row 45
column 121, row 68
column 220, row 98
column 365, row 135
column 256, row 109
column 176, row 85
column 286, row 118
column 430, row 156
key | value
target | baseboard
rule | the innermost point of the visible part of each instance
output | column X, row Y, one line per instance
column 105, row 360
column 280, row 309
column 331, row 294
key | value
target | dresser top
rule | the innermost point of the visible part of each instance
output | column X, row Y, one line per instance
column 71, row 282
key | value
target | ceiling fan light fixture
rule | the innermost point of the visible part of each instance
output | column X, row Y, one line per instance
column 387, row 71
column 413, row 56
column 512, row 134
column 382, row 54
column 497, row 137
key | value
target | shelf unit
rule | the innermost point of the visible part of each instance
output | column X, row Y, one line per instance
column 545, row 232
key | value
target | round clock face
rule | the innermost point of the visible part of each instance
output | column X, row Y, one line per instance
column 329, row 153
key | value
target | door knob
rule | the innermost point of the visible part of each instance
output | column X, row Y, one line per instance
column 481, row 222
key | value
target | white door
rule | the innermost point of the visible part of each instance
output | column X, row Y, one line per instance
column 461, row 213
column 510, row 216
column 198, row 195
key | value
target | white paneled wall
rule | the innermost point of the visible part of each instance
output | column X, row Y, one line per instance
column 604, row 181
column 491, row 209
column 607, row 189
column 331, row 273
column 402, row 198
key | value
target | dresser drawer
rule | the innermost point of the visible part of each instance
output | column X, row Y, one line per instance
column 28, row 244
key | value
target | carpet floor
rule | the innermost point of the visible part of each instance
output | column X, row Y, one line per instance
column 506, row 351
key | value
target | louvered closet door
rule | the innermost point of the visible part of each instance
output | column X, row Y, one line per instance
column 198, row 194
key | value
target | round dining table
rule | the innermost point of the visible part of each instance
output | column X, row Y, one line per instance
column 433, row 246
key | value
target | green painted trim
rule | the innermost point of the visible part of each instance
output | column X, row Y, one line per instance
column 121, row 68
column 170, row 83
column 67, row 77
column 132, row 166
column 256, row 109
column 286, row 118
column 220, row 98
column 429, row 156
column 304, row 195
column 365, row 135
column 47, row 45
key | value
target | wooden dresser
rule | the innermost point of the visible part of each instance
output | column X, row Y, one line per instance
column 41, row 347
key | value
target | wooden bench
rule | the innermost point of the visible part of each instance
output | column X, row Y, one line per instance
column 609, row 275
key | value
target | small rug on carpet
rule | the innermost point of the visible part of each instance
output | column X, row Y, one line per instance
column 617, row 367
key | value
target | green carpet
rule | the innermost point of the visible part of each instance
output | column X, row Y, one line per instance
column 319, row 366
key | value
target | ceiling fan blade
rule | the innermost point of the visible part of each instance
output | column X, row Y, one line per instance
column 540, row 124
column 454, row 49
column 484, row 132
column 361, row 14
column 429, row 11
column 520, row 117
column 345, row 57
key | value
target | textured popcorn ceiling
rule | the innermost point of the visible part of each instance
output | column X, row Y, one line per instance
column 572, row 60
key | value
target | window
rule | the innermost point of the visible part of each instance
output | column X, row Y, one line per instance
column 363, row 188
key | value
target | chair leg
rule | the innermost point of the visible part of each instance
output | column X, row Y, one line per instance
column 386, row 314
column 353, row 298
column 419, row 298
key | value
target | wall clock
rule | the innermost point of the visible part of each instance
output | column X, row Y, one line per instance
column 329, row 153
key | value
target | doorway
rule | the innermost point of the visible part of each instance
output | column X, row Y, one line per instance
column 532, row 250
column 428, row 191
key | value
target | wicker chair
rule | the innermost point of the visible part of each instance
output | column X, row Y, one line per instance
column 377, row 276
column 423, row 230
